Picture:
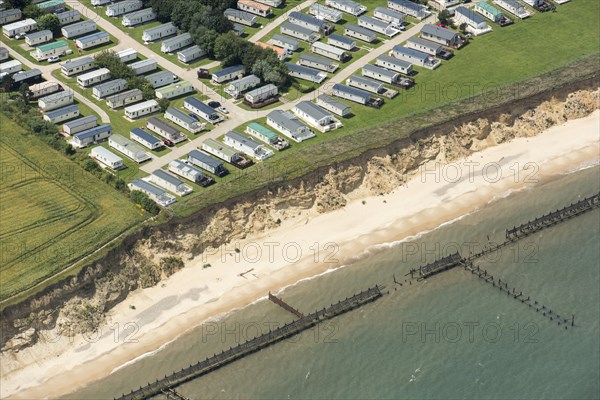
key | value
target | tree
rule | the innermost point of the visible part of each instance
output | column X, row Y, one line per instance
column 463, row 27
column 50, row 22
column 163, row 104
column 229, row 49
column 109, row 59
column 205, row 38
column 18, row 3
column 163, row 9
column 24, row 91
column 90, row 165
column 144, row 201
column 444, row 17
column 32, row 11
column 137, row 82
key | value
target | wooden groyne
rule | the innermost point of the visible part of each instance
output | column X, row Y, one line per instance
column 437, row 266
column 285, row 305
column 518, row 295
column 225, row 357
column 553, row 218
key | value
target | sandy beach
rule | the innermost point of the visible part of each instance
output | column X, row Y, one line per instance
column 299, row 248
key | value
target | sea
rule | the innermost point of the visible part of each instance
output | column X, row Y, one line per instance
column 450, row 336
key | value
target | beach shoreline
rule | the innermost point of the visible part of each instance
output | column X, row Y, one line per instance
column 300, row 248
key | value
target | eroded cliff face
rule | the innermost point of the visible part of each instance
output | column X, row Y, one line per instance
column 162, row 253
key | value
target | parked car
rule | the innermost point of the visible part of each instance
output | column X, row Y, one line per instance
column 223, row 110
column 441, row 25
column 19, row 36
column 53, row 59
column 169, row 143
column 214, row 104
column 468, row 36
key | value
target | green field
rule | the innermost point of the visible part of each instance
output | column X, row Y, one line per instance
column 53, row 213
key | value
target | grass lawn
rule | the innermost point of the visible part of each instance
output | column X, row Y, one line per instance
column 522, row 51
column 53, row 212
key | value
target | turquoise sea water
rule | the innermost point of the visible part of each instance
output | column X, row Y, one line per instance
column 452, row 336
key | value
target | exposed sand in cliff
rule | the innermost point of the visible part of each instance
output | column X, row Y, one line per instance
column 289, row 253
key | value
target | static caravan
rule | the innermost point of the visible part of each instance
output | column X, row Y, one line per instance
column 62, row 114
column 261, row 94
column 80, row 124
column 127, row 55
column 145, row 139
column 240, row 17
column 78, row 29
column 340, row 41
column 394, row 64
column 39, row 37
column 254, row 7
column 122, row 99
column 165, row 130
column 247, row 145
column 267, row 136
column 160, row 79
column 24, row 26
column 184, row 120
column 106, row 157
column 43, row 89
column 159, row 32
column 93, row 77
column 51, row 6
column 143, row 66
column 285, row 42
column 348, row 6
column 190, row 54
column 381, row 74
column 228, row 74
column 239, row 29
column 128, row 148
column 441, row 35
column 28, row 77
column 167, row 181
column 287, row 123
column 68, row 17
column 176, row 43
column 489, row 11
column 174, row 90
column 475, row 22
column 361, row 33
column 327, row 50
column 91, row 136
column 377, row 25
column 368, row 84
column 206, row 162
column 226, row 153
column 10, row 67
column 185, row 170
column 45, row 51
column 325, row 13
column 56, row 100
column 415, row 57
column 331, row 104
column 316, row 116
column 10, row 15
column 138, row 17
column 3, row 53
column 306, row 73
column 202, row 110
column 277, row 3
column 407, row 7
column 392, row 17
column 514, row 7
column 93, row 40
column 424, row 46
column 309, row 22
column 108, row 88
column 237, row 87
column 158, row 195
column 141, row 109
column 350, row 93
column 299, row 32
column 322, row 63
column 73, row 67
column 123, row 7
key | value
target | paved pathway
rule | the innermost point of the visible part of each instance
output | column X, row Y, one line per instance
column 47, row 74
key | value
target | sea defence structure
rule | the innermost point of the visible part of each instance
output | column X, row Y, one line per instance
column 164, row 385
